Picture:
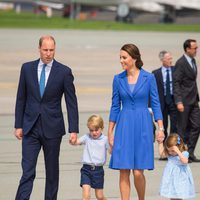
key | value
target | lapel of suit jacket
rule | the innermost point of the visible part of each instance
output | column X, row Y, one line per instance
column 124, row 82
column 140, row 82
column 35, row 77
column 189, row 68
column 160, row 78
column 54, row 70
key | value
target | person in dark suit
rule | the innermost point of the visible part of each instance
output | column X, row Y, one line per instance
column 187, row 97
column 164, row 82
column 38, row 116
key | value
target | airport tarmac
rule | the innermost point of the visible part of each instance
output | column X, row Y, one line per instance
column 94, row 59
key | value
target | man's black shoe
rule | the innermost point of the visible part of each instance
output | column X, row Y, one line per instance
column 193, row 159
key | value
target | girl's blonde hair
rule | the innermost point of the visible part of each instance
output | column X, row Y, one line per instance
column 95, row 121
column 174, row 140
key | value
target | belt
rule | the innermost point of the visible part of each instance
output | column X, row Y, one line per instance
column 92, row 167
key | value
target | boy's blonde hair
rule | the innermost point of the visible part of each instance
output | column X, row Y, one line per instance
column 95, row 121
column 174, row 140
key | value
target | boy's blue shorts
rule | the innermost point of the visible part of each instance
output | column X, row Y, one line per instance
column 93, row 176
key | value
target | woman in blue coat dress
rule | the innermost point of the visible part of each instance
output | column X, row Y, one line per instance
column 132, row 143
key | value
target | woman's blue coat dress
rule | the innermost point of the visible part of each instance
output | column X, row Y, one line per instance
column 133, row 139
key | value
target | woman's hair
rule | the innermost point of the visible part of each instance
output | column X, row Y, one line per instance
column 174, row 140
column 96, row 122
column 134, row 52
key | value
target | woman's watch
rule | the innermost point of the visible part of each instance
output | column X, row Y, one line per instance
column 161, row 129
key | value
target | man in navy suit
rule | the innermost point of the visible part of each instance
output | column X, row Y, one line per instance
column 166, row 96
column 39, row 119
column 187, row 97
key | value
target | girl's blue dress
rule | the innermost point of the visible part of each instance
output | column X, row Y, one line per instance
column 177, row 181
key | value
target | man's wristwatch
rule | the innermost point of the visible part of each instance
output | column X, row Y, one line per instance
column 161, row 129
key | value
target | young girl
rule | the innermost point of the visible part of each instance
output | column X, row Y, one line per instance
column 177, row 182
column 94, row 157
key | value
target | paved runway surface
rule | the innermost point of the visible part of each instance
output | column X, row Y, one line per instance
column 94, row 59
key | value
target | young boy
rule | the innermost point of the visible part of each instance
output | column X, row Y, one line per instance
column 94, row 157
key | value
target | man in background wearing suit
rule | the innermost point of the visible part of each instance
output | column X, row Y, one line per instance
column 39, row 119
column 164, row 81
column 187, row 97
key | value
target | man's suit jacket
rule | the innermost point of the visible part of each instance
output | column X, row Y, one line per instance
column 30, row 105
column 185, row 85
column 160, row 85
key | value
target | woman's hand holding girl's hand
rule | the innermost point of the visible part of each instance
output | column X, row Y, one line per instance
column 160, row 136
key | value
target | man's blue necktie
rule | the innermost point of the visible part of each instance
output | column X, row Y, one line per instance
column 168, row 93
column 42, row 80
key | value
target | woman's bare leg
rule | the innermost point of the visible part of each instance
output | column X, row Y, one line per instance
column 140, row 183
column 124, row 184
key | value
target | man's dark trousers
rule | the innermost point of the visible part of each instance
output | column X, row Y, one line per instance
column 169, row 110
column 190, row 135
column 31, row 145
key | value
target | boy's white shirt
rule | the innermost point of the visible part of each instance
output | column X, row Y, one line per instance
column 95, row 150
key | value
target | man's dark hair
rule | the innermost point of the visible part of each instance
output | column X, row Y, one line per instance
column 187, row 44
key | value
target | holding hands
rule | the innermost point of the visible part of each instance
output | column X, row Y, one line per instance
column 73, row 138
column 160, row 136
